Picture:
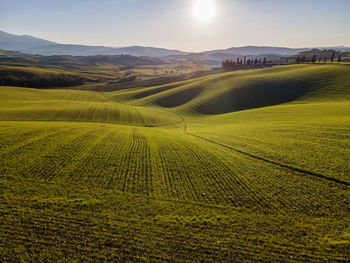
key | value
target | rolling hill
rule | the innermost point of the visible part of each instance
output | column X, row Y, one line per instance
column 250, row 165
column 36, row 71
column 242, row 90
column 32, row 45
column 19, row 58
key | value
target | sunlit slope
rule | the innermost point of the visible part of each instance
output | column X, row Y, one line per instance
column 310, row 133
column 264, row 184
column 313, row 136
column 214, row 94
column 241, row 90
column 78, row 179
column 64, row 105
column 161, row 163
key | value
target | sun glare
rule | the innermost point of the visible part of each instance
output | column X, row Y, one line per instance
column 204, row 10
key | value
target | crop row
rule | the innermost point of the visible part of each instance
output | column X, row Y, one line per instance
column 288, row 190
column 100, row 235
column 165, row 166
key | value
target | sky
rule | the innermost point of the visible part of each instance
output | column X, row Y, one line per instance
column 173, row 24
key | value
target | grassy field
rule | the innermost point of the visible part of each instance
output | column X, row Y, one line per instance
column 92, row 72
column 248, row 166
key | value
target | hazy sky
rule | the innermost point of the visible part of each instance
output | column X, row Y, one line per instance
column 172, row 23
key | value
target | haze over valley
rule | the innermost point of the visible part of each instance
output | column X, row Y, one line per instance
column 174, row 131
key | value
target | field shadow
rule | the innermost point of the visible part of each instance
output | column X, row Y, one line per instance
column 257, row 95
column 178, row 98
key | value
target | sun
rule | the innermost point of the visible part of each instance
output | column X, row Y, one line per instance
column 204, row 10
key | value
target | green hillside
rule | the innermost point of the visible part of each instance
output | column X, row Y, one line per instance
column 242, row 90
column 65, row 105
column 248, row 166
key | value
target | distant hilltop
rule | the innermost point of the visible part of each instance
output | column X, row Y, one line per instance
column 33, row 45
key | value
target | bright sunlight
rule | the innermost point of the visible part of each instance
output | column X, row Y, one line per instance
column 204, row 10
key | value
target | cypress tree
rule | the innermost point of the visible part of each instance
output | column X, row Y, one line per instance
column 314, row 58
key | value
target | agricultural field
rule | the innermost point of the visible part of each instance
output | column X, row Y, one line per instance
column 244, row 166
column 92, row 72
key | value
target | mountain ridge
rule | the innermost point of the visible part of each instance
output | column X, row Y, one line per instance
column 33, row 45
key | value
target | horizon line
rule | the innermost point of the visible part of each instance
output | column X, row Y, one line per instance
column 175, row 49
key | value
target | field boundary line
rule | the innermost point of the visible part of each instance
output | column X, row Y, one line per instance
column 299, row 170
column 295, row 169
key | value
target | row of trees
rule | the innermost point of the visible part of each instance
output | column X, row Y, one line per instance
column 243, row 62
column 304, row 57
column 314, row 59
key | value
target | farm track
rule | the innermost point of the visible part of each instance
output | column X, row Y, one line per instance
column 140, row 163
column 295, row 169
column 272, row 188
column 96, row 177
column 324, row 148
column 190, row 173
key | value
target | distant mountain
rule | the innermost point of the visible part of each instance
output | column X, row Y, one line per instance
column 149, row 51
column 82, row 50
column 15, row 42
column 71, row 50
column 261, row 50
column 256, row 50
column 216, row 58
column 32, row 45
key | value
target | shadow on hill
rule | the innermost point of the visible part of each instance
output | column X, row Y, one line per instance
column 154, row 91
column 256, row 95
column 178, row 98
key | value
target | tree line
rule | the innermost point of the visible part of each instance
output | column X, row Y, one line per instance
column 314, row 58
column 243, row 62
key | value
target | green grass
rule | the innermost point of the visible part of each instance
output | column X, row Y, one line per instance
column 64, row 105
column 241, row 90
column 239, row 166
column 109, row 73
